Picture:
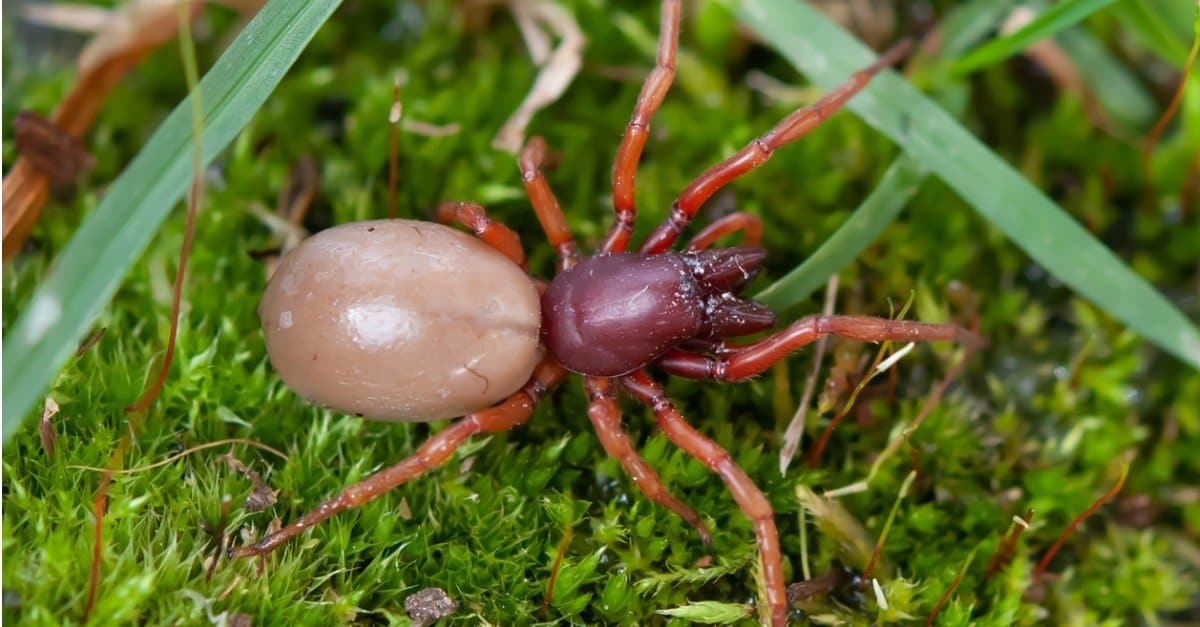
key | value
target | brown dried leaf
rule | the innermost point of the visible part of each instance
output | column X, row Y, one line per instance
column 55, row 154
column 802, row 591
column 558, row 66
column 262, row 496
column 123, row 38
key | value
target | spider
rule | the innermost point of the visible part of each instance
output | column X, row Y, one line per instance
column 609, row 317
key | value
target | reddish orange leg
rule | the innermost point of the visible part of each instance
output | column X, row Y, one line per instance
column 760, row 149
column 654, row 90
column 749, row 498
column 748, row 360
column 748, row 223
column 545, row 204
column 606, row 418
column 511, row 412
column 475, row 217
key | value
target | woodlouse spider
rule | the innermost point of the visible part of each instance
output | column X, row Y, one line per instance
column 406, row 320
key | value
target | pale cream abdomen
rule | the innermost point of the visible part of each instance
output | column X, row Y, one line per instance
column 400, row 320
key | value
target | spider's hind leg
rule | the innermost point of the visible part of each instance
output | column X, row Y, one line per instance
column 606, row 418
column 433, row 453
column 749, row 498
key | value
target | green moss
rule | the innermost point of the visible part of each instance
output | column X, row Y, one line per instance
column 1036, row 421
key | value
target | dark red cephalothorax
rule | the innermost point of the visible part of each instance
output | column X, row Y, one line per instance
column 611, row 314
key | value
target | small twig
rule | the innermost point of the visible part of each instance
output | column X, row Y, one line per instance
column 90, row 342
column 795, row 429
column 101, row 52
column 958, row 577
column 195, row 195
column 814, row 455
column 46, row 426
column 287, row 223
column 201, row 447
column 294, row 202
column 887, row 526
column 237, row 579
column 1160, row 125
column 805, row 569
column 563, row 545
column 1062, row 539
column 931, row 402
column 394, row 147
column 1004, row 550
column 877, row 367
column 99, row 507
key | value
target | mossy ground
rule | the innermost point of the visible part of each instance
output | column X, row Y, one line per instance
column 1039, row 420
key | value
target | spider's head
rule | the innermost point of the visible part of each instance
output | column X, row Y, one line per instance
column 612, row 314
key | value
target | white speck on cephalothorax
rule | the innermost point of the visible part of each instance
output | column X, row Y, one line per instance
column 285, row 320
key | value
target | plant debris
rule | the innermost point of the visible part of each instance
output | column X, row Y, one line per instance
column 55, row 154
column 46, row 426
column 262, row 496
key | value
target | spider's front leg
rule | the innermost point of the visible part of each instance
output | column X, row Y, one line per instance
column 756, row 153
column 433, row 453
column 747, row 360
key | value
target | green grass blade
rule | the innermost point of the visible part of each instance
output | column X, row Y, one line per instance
column 966, row 24
column 1046, row 24
column 880, row 208
column 113, row 236
column 827, row 54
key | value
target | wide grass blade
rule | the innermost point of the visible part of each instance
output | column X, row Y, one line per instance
column 1058, row 17
column 112, row 237
column 827, row 54
column 880, row 208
